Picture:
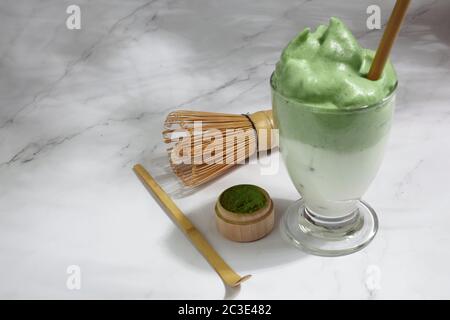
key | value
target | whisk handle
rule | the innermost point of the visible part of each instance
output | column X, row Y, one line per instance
column 264, row 125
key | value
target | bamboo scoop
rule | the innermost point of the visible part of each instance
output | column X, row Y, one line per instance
column 387, row 41
column 227, row 274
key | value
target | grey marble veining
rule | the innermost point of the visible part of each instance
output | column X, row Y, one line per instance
column 79, row 107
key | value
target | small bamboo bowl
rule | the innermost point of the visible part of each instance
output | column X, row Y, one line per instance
column 245, row 227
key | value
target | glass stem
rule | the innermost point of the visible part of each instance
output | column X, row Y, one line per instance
column 331, row 223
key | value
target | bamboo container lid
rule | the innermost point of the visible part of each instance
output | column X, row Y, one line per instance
column 245, row 227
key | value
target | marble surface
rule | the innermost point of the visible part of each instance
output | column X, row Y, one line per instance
column 80, row 107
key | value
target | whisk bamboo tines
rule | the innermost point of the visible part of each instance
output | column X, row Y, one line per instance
column 204, row 145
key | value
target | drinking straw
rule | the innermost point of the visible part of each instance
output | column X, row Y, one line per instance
column 387, row 41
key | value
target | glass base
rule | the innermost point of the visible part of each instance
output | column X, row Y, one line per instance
column 329, row 237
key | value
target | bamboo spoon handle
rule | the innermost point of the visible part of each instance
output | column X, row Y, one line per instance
column 227, row 274
column 387, row 41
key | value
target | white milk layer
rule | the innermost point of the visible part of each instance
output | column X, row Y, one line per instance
column 331, row 182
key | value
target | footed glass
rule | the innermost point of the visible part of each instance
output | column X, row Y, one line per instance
column 332, row 156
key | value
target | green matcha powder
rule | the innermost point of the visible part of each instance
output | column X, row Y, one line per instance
column 244, row 198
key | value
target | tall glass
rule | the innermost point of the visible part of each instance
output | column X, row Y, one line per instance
column 332, row 156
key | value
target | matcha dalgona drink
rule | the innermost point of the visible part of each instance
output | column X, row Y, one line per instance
column 333, row 124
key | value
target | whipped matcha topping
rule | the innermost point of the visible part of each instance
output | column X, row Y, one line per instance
column 327, row 68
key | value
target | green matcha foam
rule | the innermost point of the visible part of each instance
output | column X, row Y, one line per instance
column 328, row 68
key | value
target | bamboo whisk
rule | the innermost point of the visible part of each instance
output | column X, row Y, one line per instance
column 204, row 145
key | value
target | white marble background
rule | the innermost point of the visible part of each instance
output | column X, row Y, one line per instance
column 79, row 107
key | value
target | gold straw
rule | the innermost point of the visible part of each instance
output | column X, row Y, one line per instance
column 387, row 41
